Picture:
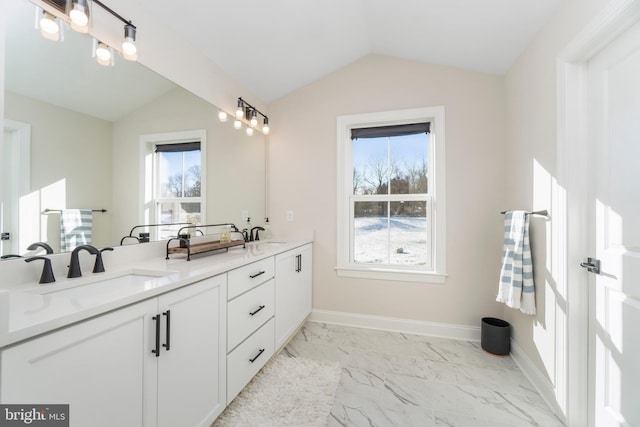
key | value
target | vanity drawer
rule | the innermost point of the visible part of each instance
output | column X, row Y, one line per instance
column 244, row 278
column 248, row 358
column 248, row 312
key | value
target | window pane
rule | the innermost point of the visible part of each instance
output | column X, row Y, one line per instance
column 408, row 233
column 371, row 233
column 179, row 174
column 393, row 233
column 178, row 212
column 370, row 166
column 170, row 174
column 408, row 164
column 192, row 174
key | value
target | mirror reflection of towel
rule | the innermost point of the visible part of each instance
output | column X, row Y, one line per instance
column 75, row 228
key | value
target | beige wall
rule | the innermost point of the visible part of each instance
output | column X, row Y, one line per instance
column 71, row 152
column 302, row 178
column 235, row 162
column 532, row 184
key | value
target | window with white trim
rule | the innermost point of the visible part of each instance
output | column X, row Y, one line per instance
column 391, row 197
column 173, row 181
column 178, row 184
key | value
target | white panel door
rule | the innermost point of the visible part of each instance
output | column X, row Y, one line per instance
column 614, row 236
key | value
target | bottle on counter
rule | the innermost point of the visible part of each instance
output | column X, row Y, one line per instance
column 267, row 229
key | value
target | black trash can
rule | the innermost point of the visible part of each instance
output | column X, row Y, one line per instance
column 495, row 336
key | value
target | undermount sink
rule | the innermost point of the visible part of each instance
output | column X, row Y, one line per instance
column 104, row 288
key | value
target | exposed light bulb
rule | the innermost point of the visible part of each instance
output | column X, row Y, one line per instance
column 49, row 27
column 249, row 131
column 129, row 44
column 80, row 16
column 237, row 124
column 222, row 116
column 240, row 110
column 254, row 119
column 103, row 54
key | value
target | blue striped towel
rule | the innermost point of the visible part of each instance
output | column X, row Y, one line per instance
column 75, row 228
column 516, row 287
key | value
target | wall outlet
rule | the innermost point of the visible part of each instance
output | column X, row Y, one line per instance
column 289, row 216
column 245, row 216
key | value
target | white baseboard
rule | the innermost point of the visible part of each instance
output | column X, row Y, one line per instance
column 540, row 382
column 418, row 327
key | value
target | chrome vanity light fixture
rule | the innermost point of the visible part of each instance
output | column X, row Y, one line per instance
column 77, row 14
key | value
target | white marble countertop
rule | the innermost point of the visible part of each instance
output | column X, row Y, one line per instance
column 30, row 310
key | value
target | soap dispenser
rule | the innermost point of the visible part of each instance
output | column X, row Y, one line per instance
column 267, row 229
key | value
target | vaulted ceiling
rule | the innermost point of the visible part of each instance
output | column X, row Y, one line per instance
column 277, row 46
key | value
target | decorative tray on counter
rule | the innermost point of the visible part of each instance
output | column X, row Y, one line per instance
column 186, row 247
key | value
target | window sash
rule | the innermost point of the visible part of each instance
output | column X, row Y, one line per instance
column 353, row 199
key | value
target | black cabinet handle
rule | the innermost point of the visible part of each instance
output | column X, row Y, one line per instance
column 156, row 351
column 168, row 332
column 257, row 355
column 257, row 274
column 298, row 263
column 256, row 312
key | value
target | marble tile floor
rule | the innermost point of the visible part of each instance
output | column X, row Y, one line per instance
column 397, row 379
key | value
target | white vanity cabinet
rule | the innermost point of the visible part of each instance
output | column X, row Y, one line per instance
column 293, row 291
column 97, row 367
column 159, row 362
column 250, row 323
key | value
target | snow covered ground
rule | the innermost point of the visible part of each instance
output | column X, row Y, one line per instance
column 398, row 240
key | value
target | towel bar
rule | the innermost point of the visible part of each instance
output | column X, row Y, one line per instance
column 47, row 211
column 543, row 213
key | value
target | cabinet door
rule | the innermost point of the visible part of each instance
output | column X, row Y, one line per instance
column 293, row 291
column 97, row 367
column 192, row 363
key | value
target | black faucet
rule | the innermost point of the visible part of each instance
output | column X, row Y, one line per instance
column 98, row 267
column 74, row 264
column 245, row 234
column 47, row 271
column 256, row 237
column 43, row 245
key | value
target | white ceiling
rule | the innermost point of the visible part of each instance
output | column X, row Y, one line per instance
column 274, row 47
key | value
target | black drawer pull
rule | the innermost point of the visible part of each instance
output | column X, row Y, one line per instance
column 156, row 351
column 257, row 274
column 256, row 312
column 257, row 355
column 168, row 333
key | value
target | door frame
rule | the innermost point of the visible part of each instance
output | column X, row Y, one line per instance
column 570, row 219
column 17, row 149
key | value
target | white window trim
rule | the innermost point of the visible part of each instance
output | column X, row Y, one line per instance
column 435, row 115
column 146, row 212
